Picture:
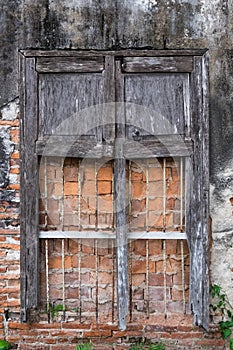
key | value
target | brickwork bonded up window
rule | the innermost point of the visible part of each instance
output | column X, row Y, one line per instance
column 114, row 183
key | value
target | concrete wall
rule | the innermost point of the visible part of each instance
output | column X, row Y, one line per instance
column 105, row 24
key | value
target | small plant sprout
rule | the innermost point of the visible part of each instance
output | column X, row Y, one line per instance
column 84, row 346
column 221, row 305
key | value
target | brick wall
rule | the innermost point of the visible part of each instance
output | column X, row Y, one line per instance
column 95, row 317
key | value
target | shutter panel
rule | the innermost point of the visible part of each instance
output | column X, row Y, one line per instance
column 157, row 106
column 68, row 109
column 120, row 206
column 73, row 117
column 28, row 189
column 166, row 114
column 198, row 225
column 62, row 114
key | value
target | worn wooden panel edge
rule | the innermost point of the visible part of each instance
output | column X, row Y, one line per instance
column 119, row 53
column 199, row 225
column 69, row 64
column 23, row 313
column 152, row 149
column 69, row 148
column 29, row 190
column 120, row 206
column 157, row 64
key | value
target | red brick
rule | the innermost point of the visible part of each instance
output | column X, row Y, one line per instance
column 155, row 246
column 71, row 188
column 105, row 174
column 157, row 279
column 172, row 266
column 71, row 174
column 94, row 334
column 139, row 266
column 138, row 189
column 104, row 187
column 88, row 262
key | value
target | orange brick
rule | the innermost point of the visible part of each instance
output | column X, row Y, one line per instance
column 138, row 189
column 170, row 203
column 139, row 266
column 177, row 278
column 155, row 174
column 137, row 175
column 88, row 262
column 105, row 174
column 104, row 187
column 171, row 246
column 139, row 247
column 88, row 172
column 88, row 189
column 70, row 174
column 156, row 204
column 71, row 188
column 138, row 222
column 138, row 205
column 58, row 188
column 156, row 188
column 155, row 246
column 105, row 278
column 105, row 203
column 14, row 171
column 173, row 188
column 172, row 266
column 14, row 187
column 157, row 279
column 56, row 262
column 9, row 122
column 105, row 263
column 15, row 155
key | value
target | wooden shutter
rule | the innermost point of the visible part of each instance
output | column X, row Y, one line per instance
column 65, row 111
column 166, row 114
column 68, row 109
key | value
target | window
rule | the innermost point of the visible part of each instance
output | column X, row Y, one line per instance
column 128, row 109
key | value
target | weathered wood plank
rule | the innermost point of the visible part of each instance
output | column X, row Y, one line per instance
column 23, row 279
column 120, row 206
column 199, row 223
column 157, row 64
column 70, row 104
column 155, row 103
column 29, row 191
column 205, row 186
column 109, row 101
column 111, row 235
column 67, row 147
column 151, row 149
column 119, row 53
column 69, row 64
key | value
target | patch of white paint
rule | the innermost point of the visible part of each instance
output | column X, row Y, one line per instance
column 10, row 111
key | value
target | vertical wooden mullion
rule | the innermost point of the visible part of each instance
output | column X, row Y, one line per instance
column 199, row 216
column 109, row 101
column 205, row 187
column 120, row 207
column 29, row 189
column 22, row 66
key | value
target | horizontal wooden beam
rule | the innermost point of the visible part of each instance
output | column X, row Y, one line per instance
column 161, row 146
column 69, row 64
column 111, row 235
column 120, row 53
column 65, row 147
column 155, row 148
column 157, row 64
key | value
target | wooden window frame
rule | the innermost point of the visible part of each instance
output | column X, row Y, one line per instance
column 194, row 62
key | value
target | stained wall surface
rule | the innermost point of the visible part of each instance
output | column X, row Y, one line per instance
column 102, row 24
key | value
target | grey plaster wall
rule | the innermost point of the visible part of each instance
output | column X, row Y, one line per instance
column 113, row 24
